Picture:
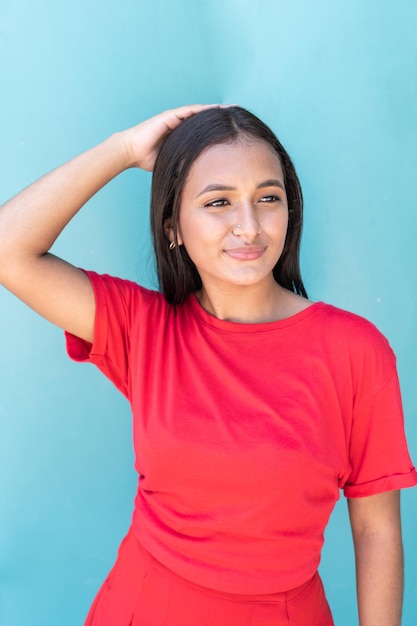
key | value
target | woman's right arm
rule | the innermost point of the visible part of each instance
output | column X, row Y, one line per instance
column 31, row 221
column 29, row 225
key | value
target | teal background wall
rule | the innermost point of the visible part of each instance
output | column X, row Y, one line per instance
column 337, row 82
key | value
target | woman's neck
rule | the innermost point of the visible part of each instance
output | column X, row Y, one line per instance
column 253, row 304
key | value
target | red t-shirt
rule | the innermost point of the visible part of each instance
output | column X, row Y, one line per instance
column 244, row 433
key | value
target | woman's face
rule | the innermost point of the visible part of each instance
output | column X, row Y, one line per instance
column 233, row 214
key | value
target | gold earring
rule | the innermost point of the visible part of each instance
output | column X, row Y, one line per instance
column 171, row 245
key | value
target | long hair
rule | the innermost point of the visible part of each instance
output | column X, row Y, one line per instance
column 177, row 274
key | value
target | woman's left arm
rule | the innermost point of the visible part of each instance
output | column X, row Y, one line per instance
column 376, row 530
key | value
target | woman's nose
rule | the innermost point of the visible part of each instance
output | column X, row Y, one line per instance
column 246, row 220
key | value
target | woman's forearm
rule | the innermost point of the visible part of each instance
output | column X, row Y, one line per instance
column 376, row 530
column 31, row 221
column 379, row 571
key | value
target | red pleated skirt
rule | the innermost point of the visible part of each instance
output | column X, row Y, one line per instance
column 140, row 591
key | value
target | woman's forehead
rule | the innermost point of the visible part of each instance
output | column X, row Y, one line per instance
column 235, row 158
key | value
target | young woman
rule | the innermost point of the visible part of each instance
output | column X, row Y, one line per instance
column 252, row 406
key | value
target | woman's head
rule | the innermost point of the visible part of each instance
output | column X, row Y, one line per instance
column 177, row 273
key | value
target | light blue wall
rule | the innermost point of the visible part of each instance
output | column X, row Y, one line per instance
column 337, row 82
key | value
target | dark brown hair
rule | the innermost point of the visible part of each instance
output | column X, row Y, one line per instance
column 177, row 274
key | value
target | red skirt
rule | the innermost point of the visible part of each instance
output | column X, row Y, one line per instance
column 140, row 591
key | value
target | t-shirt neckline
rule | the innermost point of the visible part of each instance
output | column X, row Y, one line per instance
column 241, row 327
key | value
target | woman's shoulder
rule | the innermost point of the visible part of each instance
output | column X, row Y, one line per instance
column 329, row 315
column 125, row 297
column 347, row 319
column 332, row 318
column 359, row 334
column 124, row 286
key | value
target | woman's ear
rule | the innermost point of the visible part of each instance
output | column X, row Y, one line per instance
column 170, row 233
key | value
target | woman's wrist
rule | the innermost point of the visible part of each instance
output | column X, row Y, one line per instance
column 117, row 147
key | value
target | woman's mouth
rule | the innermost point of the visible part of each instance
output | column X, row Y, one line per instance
column 246, row 253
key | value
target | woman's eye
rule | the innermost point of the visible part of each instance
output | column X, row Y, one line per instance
column 271, row 198
column 218, row 203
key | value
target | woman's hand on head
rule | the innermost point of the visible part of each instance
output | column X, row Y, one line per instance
column 143, row 141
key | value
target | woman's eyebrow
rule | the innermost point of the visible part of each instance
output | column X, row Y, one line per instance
column 271, row 182
column 216, row 187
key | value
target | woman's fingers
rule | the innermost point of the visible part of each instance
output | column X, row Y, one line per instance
column 174, row 117
column 145, row 139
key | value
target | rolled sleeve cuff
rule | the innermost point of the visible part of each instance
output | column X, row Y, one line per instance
column 387, row 483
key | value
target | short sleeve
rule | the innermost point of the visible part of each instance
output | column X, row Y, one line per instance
column 115, row 300
column 378, row 449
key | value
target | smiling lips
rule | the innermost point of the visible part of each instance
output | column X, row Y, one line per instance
column 246, row 253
